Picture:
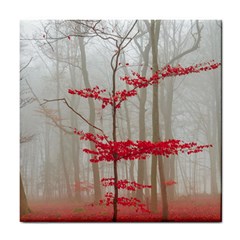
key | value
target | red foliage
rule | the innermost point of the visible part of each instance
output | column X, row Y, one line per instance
column 129, row 202
column 139, row 81
column 124, row 184
column 82, row 186
column 106, row 150
column 88, row 92
column 170, row 183
column 96, row 93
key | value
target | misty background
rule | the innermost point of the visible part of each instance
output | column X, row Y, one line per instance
column 57, row 55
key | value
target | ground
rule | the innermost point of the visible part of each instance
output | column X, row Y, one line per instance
column 204, row 209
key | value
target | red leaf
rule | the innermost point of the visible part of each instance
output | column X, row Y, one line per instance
column 170, row 183
column 71, row 91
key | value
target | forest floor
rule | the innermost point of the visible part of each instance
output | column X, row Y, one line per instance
column 204, row 209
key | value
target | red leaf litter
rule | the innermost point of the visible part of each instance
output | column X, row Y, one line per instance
column 199, row 209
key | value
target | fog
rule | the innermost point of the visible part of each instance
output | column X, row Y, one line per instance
column 58, row 55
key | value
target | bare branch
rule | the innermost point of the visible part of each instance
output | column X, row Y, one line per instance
column 45, row 111
column 120, row 47
column 25, row 139
column 26, row 101
column 70, row 107
column 26, row 65
column 100, row 32
column 193, row 48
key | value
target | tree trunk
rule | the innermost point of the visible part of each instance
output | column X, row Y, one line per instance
column 129, row 134
column 142, row 125
column 47, row 165
column 92, row 117
column 163, row 189
column 24, row 208
column 170, row 165
column 75, row 143
column 155, row 29
column 114, row 135
column 62, row 154
column 75, row 158
column 155, row 118
column 211, row 138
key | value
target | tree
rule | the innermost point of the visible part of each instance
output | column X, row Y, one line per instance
column 155, row 28
column 24, row 208
column 113, row 150
column 172, row 55
column 142, row 166
column 92, row 117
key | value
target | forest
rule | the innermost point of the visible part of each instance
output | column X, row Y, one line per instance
column 120, row 121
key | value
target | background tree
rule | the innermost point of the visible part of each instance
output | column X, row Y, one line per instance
column 24, row 101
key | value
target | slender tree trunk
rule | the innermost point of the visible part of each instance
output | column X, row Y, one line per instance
column 142, row 136
column 142, row 125
column 115, row 170
column 163, row 189
column 131, row 169
column 47, row 167
column 155, row 28
column 92, row 118
column 128, row 121
column 214, row 135
column 114, row 135
column 170, row 166
column 62, row 153
column 75, row 158
column 211, row 138
column 155, row 120
column 75, row 143
column 183, row 177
